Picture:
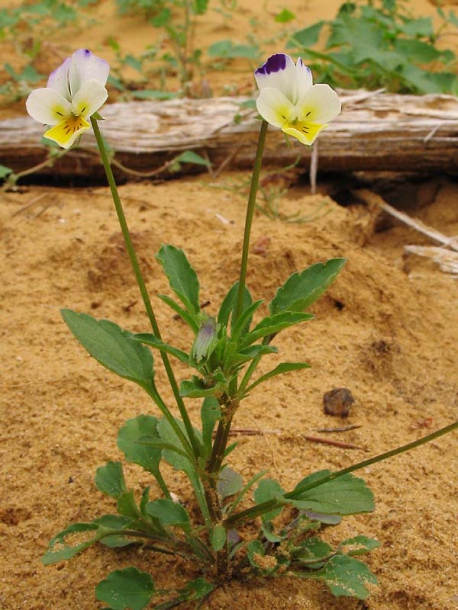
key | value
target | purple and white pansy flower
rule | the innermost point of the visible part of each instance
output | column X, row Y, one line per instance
column 288, row 99
column 75, row 91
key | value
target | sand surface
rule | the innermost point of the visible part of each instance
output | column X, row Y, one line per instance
column 385, row 330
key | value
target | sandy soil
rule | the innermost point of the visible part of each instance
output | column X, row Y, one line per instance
column 385, row 331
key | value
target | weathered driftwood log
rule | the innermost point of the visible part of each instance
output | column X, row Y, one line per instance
column 375, row 131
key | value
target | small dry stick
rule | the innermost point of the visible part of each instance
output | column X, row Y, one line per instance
column 343, row 429
column 330, row 441
column 252, row 432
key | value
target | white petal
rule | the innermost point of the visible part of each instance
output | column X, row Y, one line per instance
column 86, row 66
column 89, row 99
column 47, row 106
column 320, row 104
column 303, row 80
column 58, row 79
column 278, row 72
column 274, row 107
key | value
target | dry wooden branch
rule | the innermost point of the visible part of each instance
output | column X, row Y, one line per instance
column 374, row 199
column 376, row 131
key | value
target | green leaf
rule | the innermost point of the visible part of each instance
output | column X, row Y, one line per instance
column 169, row 513
column 209, row 414
column 243, row 323
column 197, row 388
column 218, row 537
column 229, row 303
column 274, row 324
column 347, row 577
column 109, row 480
column 113, row 347
column 312, row 551
column 190, row 319
column 70, row 542
column 345, row 495
column 115, row 522
column 269, row 489
column 126, row 505
column 284, row 367
column 190, row 156
column 5, row 171
column 284, row 16
column 229, row 482
column 140, row 453
column 307, row 37
column 128, row 589
column 302, row 289
column 182, row 277
column 359, row 545
column 152, row 341
column 255, row 552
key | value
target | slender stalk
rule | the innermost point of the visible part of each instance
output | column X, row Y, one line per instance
column 269, row 505
column 141, row 284
column 249, row 217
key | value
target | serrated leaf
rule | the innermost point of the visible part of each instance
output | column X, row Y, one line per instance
column 347, row 577
column 128, row 589
column 140, row 453
column 182, row 277
column 345, row 495
column 109, row 479
column 169, row 513
column 302, row 289
column 71, row 541
column 113, row 347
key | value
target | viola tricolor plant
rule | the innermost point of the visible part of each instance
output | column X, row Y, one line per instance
column 277, row 531
column 288, row 99
column 74, row 93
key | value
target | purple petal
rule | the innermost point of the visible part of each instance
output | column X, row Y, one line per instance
column 275, row 63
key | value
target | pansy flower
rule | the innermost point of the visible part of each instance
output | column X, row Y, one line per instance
column 75, row 91
column 288, row 99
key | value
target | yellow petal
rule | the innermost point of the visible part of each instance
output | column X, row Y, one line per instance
column 66, row 132
column 305, row 132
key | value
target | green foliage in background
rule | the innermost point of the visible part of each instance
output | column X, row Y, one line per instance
column 380, row 45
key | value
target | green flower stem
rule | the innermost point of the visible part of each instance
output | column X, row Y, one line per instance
column 251, row 206
column 259, row 509
column 141, row 284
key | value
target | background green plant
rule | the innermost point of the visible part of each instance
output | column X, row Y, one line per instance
column 380, row 45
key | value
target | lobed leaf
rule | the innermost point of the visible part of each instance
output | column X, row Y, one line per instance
column 109, row 479
column 345, row 495
column 347, row 577
column 128, row 589
column 142, row 454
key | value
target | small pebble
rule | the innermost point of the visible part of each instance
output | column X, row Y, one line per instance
column 337, row 402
